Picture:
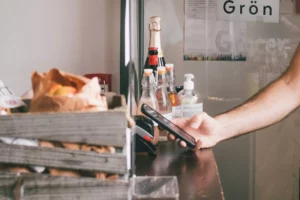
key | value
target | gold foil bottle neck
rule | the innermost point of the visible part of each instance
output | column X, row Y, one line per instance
column 154, row 23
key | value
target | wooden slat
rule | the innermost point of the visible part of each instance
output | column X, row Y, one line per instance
column 7, row 182
column 7, row 185
column 49, row 187
column 40, row 186
column 63, row 158
column 106, row 128
column 7, row 179
column 42, row 180
column 5, row 195
column 5, row 174
column 84, row 193
column 98, row 191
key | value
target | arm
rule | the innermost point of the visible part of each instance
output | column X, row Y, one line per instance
column 268, row 107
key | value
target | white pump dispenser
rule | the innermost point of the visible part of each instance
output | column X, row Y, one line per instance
column 191, row 101
column 189, row 84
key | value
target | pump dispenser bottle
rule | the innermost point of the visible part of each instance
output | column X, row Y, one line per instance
column 191, row 100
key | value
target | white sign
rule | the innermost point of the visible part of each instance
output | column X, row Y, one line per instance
column 201, row 9
column 248, row 10
column 206, row 38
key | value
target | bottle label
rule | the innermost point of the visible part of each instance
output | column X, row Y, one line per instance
column 190, row 110
column 176, row 110
column 169, row 116
column 152, row 59
column 160, row 53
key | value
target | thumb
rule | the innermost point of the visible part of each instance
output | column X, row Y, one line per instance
column 196, row 120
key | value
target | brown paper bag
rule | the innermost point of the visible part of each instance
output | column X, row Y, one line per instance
column 86, row 98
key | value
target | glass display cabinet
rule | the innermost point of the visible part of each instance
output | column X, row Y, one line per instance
column 232, row 59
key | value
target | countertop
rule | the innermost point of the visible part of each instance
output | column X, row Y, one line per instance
column 197, row 172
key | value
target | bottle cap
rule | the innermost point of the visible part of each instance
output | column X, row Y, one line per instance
column 155, row 19
column 148, row 72
column 161, row 70
column 169, row 66
column 154, row 23
column 188, row 84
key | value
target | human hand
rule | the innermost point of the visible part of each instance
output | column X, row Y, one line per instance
column 206, row 130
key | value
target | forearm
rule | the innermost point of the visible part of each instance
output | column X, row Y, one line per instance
column 268, row 107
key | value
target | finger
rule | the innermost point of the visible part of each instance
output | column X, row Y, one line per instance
column 171, row 137
column 180, row 121
column 182, row 144
column 196, row 120
column 198, row 146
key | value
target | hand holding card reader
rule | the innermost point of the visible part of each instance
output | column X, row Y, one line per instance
column 168, row 125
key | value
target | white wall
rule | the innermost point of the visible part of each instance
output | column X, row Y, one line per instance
column 77, row 36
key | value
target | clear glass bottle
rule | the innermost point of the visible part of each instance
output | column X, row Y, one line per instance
column 162, row 96
column 191, row 100
column 163, row 99
column 148, row 97
column 172, row 91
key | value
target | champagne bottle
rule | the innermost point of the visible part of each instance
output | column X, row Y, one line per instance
column 155, row 56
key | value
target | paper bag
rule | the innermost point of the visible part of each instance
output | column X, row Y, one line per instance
column 86, row 98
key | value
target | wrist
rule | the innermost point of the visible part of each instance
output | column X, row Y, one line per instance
column 227, row 128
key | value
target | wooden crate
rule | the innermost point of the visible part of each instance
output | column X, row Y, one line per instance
column 42, row 187
column 95, row 128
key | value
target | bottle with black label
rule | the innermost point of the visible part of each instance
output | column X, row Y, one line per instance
column 155, row 56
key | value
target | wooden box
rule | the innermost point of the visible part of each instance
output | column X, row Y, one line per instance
column 43, row 187
column 94, row 128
